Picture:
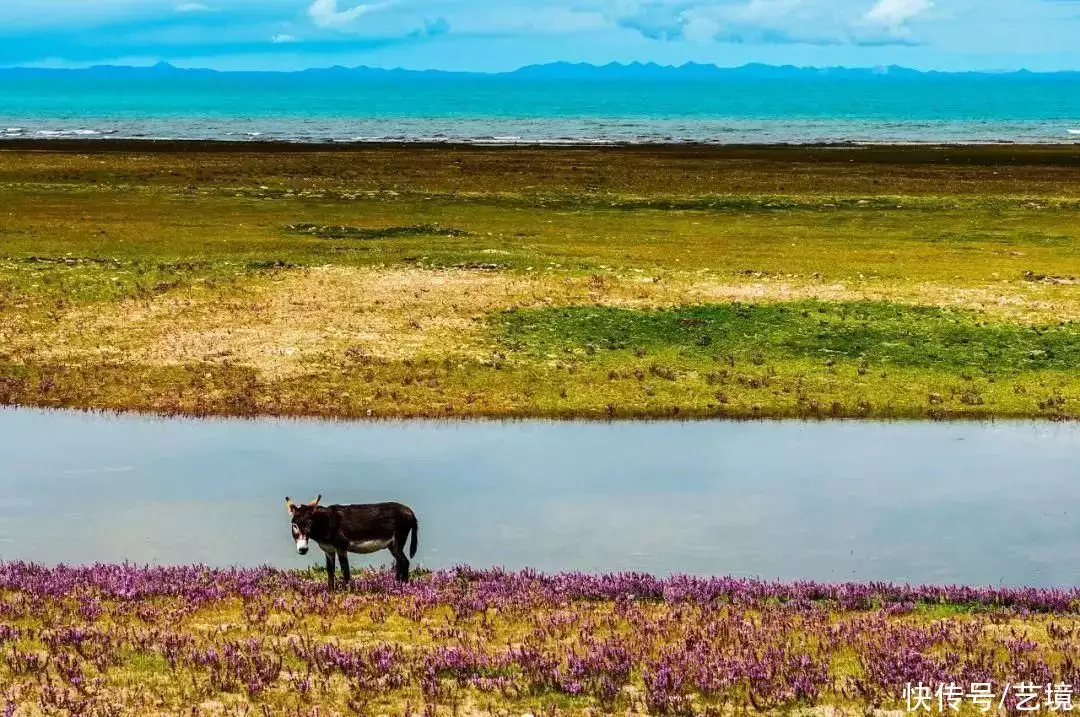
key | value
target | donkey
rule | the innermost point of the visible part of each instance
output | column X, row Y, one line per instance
column 343, row 529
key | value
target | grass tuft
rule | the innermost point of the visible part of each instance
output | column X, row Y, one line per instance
column 349, row 232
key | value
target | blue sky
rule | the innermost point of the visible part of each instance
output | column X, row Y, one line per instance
column 493, row 35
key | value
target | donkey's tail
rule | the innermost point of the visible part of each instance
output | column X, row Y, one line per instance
column 415, row 528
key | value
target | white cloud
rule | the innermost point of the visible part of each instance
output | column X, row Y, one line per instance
column 325, row 13
column 282, row 39
column 655, row 19
column 770, row 10
column 812, row 22
column 518, row 19
column 893, row 14
column 191, row 7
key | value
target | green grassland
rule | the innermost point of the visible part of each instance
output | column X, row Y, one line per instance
column 377, row 281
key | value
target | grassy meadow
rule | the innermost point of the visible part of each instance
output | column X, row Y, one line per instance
column 386, row 281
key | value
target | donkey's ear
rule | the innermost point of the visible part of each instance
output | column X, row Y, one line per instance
column 289, row 506
column 316, row 501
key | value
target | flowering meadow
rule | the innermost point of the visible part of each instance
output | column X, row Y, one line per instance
column 124, row 640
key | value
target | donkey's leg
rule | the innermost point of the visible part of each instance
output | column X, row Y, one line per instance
column 329, row 570
column 401, row 536
column 401, row 563
column 401, row 539
column 343, row 559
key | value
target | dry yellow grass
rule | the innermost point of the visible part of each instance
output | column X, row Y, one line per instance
column 291, row 324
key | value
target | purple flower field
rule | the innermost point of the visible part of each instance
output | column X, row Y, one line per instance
column 125, row 640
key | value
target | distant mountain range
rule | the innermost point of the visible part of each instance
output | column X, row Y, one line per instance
column 552, row 71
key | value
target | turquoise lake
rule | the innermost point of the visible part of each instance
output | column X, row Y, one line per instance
column 507, row 109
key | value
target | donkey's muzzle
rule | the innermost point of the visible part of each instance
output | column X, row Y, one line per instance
column 302, row 551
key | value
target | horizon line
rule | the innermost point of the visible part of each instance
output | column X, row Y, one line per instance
column 636, row 64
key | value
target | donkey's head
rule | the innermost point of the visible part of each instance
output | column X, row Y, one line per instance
column 302, row 517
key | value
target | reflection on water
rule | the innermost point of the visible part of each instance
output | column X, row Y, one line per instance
column 913, row 502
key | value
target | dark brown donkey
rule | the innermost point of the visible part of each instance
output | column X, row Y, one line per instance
column 343, row 529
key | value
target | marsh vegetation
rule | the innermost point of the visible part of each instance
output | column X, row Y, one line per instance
column 584, row 282
column 120, row 640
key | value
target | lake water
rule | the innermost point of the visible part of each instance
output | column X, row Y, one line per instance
column 510, row 109
column 913, row 502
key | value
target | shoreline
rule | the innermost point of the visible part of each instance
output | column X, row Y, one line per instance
column 435, row 420
column 583, row 584
column 721, row 149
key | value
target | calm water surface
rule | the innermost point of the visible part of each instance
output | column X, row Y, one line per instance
column 302, row 107
column 914, row 502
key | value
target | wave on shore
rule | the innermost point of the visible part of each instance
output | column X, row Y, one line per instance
column 566, row 131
